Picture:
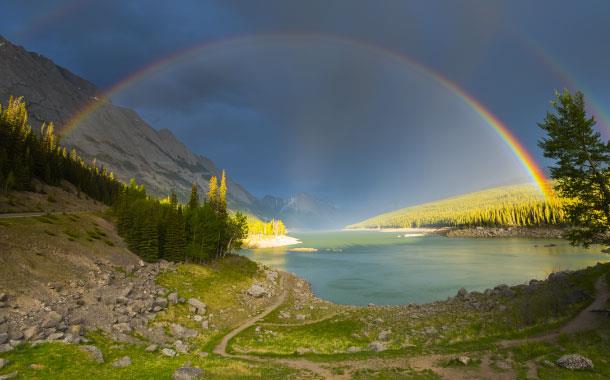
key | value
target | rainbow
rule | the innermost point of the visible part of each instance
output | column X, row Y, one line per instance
column 524, row 157
column 561, row 73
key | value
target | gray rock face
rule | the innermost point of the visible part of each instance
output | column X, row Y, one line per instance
column 115, row 136
column 96, row 353
column 574, row 362
column 187, row 373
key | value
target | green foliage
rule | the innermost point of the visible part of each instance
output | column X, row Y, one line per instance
column 518, row 205
column 582, row 168
column 25, row 155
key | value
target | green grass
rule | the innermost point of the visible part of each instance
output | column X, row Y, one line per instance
column 394, row 374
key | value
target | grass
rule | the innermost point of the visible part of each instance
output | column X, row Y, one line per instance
column 393, row 374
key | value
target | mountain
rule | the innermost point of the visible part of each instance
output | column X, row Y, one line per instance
column 301, row 211
column 515, row 205
column 116, row 137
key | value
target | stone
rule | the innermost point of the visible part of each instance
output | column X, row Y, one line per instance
column 272, row 276
column 160, row 302
column 3, row 362
column 463, row 359
column 187, row 373
column 302, row 350
column 3, row 338
column 574, row 362
column 96, row 353
column 198, row 318
column 197, row 306
column 168, row 352
column 181, row 347
column 172, row 298
column 151, row 348
column 462, row 293
column 55, row 336
column 125, row 361
column 384, row 335
column 9, row 375
column 205, row 324
column 257, row 291
column 504, row 365
column 300, row 317
column 3, row 297
column 37, row 366
column 353, row 349
column 180, row 331
column 123, row 328
column 377, row 346
column 52, row 319
column 76, row 330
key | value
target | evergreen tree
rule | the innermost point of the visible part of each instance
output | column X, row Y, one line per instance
column 222, row 193
column 194, row 199
column 582, row 169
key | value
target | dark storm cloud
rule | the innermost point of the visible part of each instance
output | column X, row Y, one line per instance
column 342, row 121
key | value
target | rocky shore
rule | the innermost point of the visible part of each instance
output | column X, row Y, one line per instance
column 504, row 232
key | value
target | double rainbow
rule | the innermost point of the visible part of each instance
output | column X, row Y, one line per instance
column 524, row 157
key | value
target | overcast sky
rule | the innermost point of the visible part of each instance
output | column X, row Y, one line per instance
column 309, row 96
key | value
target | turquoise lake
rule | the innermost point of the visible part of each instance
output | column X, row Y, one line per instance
column 361, row 267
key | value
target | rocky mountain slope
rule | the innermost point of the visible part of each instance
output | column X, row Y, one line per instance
column 301, row 211
column 115, row 136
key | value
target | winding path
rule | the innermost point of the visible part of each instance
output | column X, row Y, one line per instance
column 584, row 321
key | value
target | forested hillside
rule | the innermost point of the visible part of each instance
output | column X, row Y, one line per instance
column 518, row 205
column 153, row 228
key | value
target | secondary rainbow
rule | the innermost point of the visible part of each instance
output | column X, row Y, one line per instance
column 524, row 157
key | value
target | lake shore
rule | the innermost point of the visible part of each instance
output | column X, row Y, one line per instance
column 269, row 241
column 408, row 231
column 547, row 232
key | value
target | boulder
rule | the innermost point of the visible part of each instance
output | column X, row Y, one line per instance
column 56, row 336
column 574, row 362
column 125, row 361
column 377, row 346
column 180, row 331
column 76, row 330
column 3, row 362
column 151, row 348
column 123, row 328
column 196, row 306
column 462, row 293
column 96, row 353
column 168, row 352
column 187, row 373
column 257, row 291
column 9, row 375
column 353, row 349
column 205, row 324
column 52, row 319
column 172, row 298
column 181, row 347
column 463, row 359
column 3, row 338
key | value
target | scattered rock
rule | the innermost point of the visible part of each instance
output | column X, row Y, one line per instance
column 384, row 334
column 168, row 352
column 302, row 350
column 151, row 348
column 182, row 332
column 9, row 375
column 205, row 324
column 300, row 317
column 377, row 346
column 196, row 306
column 3, row 338
column 574, row 361
column 76, row 330
column 462, row 293
column 52, row 319
column 187, row 373
column 95, row 353
column 125, row 361
column 353, row 349
column 198, row 318
column 504, row 365
column 37, row 366
column 181, row 347
column 30, row 332
column 463, row 359
column 257, row 291
column 3, row 362
column 172, row 298
column 55, row 336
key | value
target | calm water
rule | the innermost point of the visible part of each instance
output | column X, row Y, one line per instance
column 379, row 267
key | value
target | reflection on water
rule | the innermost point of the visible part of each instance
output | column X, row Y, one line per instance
column 361, row 267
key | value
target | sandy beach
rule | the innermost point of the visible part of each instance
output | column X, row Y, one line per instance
column 270, row 241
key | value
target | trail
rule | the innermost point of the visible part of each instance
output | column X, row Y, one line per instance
column 35, row 214
column 585, row 320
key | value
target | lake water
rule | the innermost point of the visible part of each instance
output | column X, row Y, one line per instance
column 361, row 267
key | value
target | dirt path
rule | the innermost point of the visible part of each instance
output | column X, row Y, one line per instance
column 34, row 214
column 584, row 321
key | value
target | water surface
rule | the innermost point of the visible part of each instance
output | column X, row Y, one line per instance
column 361, row 267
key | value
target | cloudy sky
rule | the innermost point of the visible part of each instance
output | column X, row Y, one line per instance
column 329, row 97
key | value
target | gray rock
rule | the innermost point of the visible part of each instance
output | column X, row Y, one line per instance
column 9, row 375
column 96, row 353
column 197, row 306
column 55, row 336
column 5, row 347
column 257, row 291
column 302, row 350
column 52, row 319
column 180, row 331
column 151, row 348
column 205, row 324
column 377, row 346
column 3, row 362
column 384, row 334
column 76, row 330
column 463, row 359
column 181, row 347
column 462, row 293
column 123, row 328
column 187, row 373
column 574, row 362
column 299, row 317
column 160, row 302
column 353, row 349
column 3, row 297
column 3, row 338
column 168, row 352
column 125, row 361
column 172, row 298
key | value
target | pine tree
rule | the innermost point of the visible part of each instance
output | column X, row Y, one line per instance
column 194, row 199
column 222, row 193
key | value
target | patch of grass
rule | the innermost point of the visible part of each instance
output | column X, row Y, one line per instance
column 393, row 374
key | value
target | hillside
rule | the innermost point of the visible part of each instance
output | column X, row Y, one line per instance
column 516, row 205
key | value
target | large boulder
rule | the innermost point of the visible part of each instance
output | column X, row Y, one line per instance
column 96, row 353
column 574, row 362
column 257, row 291
column 196, row 306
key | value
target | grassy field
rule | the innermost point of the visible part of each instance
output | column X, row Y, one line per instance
column 518, row 205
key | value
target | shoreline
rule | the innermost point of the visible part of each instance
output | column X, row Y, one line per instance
column 255, row 242
column 543, row 232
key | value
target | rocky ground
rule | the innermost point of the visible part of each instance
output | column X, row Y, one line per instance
column 489, row 232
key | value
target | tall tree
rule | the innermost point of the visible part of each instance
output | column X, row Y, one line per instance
column 213, row 192
column 222, row 192
column 194, row 199
column 582, row 167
